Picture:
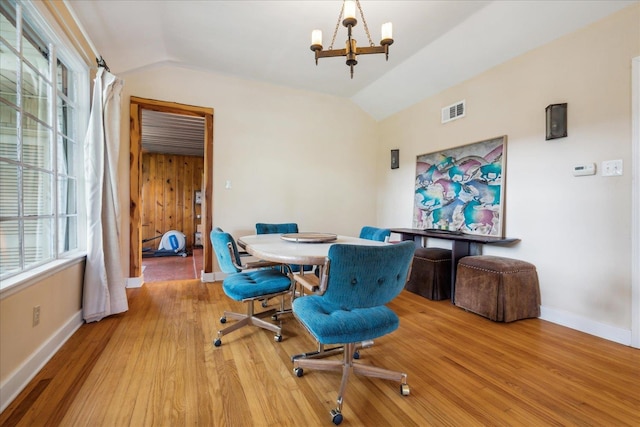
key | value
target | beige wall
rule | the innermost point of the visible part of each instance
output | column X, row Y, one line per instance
column 60, row 299
column 290, row 155
column 575, row 229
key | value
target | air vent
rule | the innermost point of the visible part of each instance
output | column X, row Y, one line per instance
column 453, row 112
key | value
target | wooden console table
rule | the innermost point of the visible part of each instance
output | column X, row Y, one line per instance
column 462, row 245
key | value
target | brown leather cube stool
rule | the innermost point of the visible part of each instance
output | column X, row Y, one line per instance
column 501, row 289
column 431, row 273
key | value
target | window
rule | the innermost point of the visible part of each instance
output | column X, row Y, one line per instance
column 43, row 89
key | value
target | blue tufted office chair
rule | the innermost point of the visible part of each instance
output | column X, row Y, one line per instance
column 375, row 233
column 263, row 282
column 287, row 227
column 360, row 280
column 367, row 232
column 264, row 228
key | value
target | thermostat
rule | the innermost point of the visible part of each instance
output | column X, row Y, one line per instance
column 585, row 169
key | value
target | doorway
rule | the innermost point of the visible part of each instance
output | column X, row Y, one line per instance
column 137, row 107
column 635, row 202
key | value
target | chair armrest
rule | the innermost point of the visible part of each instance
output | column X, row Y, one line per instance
column 260, row 264
column 314, row 283
column 309, row 281
column 250, row 264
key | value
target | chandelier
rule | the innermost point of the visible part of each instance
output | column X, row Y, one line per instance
column 351, row 50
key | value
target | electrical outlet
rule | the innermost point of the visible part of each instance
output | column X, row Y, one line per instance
column 612, row 168
column 36, row 315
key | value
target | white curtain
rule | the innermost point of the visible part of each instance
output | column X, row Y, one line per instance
column 104, row 286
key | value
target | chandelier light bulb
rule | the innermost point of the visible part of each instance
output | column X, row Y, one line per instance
column 349, row 9
column 316, row 37
column 387, row 31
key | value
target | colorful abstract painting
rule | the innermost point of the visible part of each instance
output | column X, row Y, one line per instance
column 462, row 189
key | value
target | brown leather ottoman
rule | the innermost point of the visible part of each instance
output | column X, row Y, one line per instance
column 431, row 273
column 498, row 288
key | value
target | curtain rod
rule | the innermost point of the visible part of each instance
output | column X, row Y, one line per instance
column 102, row 63
column 99, row 59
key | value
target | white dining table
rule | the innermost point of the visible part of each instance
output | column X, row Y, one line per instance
column 273, row 247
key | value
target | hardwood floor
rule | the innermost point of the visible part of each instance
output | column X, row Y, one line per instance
column 156, row 366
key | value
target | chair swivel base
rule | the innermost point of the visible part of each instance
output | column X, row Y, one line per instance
column 326, row 352
column 347, row 366
column 249, row 319
column 275, row 313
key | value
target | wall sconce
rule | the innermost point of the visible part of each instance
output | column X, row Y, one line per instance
column 395, row 159
column 556, row 121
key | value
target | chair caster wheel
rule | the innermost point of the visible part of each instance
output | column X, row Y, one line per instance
column 274, row 317
column 356, row 355
column 223, row 319
column 278, row 338
column 336, row 416
column 298, row 371
column 217, row 342
column 404, row 389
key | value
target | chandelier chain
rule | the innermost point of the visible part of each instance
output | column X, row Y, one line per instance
column 364, row 21
column 335, row 32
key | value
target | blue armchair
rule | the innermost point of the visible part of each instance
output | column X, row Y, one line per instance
column 287, row 227
column 375, row 233
column 261, row 282
column 360, row 280
column 264, row 228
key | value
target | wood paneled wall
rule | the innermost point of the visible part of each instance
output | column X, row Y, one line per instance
column 169, row 183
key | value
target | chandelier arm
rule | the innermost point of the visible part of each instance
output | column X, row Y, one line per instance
column 369, row 50
column 331, row 53
column 335, row 31
column 364, row 22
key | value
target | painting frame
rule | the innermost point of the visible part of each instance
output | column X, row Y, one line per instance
column 462, row 189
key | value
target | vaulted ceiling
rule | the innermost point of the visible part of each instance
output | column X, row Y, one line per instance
column 437, row 43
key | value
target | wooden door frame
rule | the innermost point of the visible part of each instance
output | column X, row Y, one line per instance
column 135, row 170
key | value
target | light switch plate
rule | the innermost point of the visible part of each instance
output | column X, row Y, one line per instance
column 612, row 168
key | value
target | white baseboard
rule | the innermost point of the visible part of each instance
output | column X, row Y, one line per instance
column 216, row 276
column 207, row 277
column 19, row 379
column 588, row 326
column 135, row 282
